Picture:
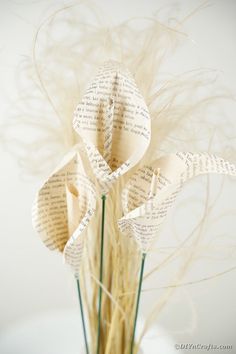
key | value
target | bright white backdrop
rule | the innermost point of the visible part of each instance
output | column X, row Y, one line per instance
column 34, row 281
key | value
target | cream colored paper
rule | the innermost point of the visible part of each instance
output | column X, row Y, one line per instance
column 114, row 123
column 63, row 208
column 152, row 190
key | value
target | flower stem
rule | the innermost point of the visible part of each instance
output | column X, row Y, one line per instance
column 82, row 316
column 101, row 273
column 137, row 302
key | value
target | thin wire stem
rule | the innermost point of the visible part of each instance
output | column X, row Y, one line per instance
column 101, row 273
column 137, row 302
column 82, row 316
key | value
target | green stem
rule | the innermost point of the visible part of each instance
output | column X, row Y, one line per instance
column 101, row 273
column 82, row 316
column 137, row 302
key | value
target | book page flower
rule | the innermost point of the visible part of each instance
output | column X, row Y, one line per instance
column 152, row 190
column 113, row 122
column 63, row 208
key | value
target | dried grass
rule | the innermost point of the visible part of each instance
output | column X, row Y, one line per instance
column 66, row 52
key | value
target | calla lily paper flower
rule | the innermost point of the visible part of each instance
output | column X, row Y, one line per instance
column 113, row 122
column 63, row 208
column 152, row 190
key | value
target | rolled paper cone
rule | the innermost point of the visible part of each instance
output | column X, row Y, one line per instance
column 143, row 222
column 114, row 123
column 63, row 208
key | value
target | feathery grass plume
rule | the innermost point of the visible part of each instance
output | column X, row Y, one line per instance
column 67, row 51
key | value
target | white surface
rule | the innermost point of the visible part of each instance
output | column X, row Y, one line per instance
column 32, row 279
column 60, row 333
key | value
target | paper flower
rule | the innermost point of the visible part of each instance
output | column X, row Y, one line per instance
column 152, row 190
column 113, row 122
column 63, row 208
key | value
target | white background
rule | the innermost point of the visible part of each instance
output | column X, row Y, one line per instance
column 33, row 280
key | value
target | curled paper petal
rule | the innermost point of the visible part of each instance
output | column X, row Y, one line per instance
column 144, row 212
column 63, row 208
column 114, row 123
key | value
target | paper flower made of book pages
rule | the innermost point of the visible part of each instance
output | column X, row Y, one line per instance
column 63, row 208
column 152, row 190
column 114, row 123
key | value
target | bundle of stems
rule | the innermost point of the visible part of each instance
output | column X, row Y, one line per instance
column 121, row 269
